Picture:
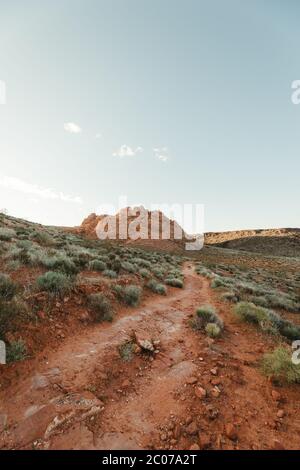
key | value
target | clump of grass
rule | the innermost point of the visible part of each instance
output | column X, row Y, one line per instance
column 97, row 265
column 101, row 306
column 132, row 295
column 129, row 267
column 43, row 238
column 278, row 365
column 145, row 273
column 207, row 314
column 174, row 282
column 9, row 312
column 249, row 312
column 126, row 351
column 8, row 288
column 16, row 351
column 110, row 273
column 61, row 263
column 7, row 234
column 157, row 287
column 229, row 296
column 217, row 282
column 213, row 330
column 119, row 291
column 54, row 282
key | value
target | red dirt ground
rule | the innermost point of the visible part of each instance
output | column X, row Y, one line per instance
column 194, row 392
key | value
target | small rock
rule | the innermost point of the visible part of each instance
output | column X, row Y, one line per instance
column 194, row 447
column 192, row 380
column 214, row 371
column 200, row 392
column 216, row 392
column 177, row 431
column 277, row 445
column 230, row 431
column 280, row 413
column 215, row 381
column 125, row 383
column 163, row 437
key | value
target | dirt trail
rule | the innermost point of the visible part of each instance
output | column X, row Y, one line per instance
column 84, row 396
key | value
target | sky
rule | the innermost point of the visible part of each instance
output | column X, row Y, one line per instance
column 161, row 101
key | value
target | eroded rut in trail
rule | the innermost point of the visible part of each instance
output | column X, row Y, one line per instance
column 193, row 393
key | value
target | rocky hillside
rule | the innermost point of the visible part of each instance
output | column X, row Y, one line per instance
column 277, row 242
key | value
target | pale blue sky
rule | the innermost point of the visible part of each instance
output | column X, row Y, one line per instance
column 210, row 81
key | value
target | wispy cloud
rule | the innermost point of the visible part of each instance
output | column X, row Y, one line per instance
column 126, row 151
column 72, row 128
column 162, row 153
column 21, row 186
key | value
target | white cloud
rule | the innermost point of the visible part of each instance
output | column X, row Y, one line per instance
column 161, row 153
column 98, row 135
column 17, row 184
column 72, row 128
column 126, row 151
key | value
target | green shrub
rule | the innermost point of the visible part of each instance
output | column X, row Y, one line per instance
column 250, row 313
column 97, row 265
column 229, row 296
column 217, row 282
column 43, row 238
column 132, row 295
column 290, row 331
column 129, row 267
column 174, row 282
column 101, row 307
column 119, row 291
column 7, row 234
column 9, row 312
column 8, row 288
column 61, row 263
column 157, row 287
column 213, row 330
column 145, row 273
column 207, row 314
column 278, row 365
column 54, row 282
column 109, row 273
column 126, row 351
column 16, row 351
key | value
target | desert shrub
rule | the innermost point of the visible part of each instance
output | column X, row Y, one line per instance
column 282, row 301
column 126, row 350
column 16, row 351
column 157, row 287
column 290, row 331
column 259, row 300
column 174, row 282
column 142, row 262
column 13, row 265
column 129, row 267
column 97, row 265
column 119, row 291
column 132, row 295
column 278, row 365
column 43, row 238
column 8, row 288
column 9, row 312
column 116, row 265
column 207, row 314
column 54, row 282
column 101, row 306
column 109, row 273
column 61, row 263
column 250, row 313
column 213, row 330
column 145, row 273
column 229, row 296
column 158, row 272
column 217, row 282
column 7, row 234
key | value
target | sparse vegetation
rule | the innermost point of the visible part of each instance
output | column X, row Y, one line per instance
column 109, row 273
column 8, row 288
column 97, row 265
column 54, row 282
column 7, row 233
column 278, row 365
column 16, row 351
column 126, row 351
column 174, row 282
column 213, row 330
column 101, row 307
column 157, row 287
column 207, row 314
column 132, row 295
